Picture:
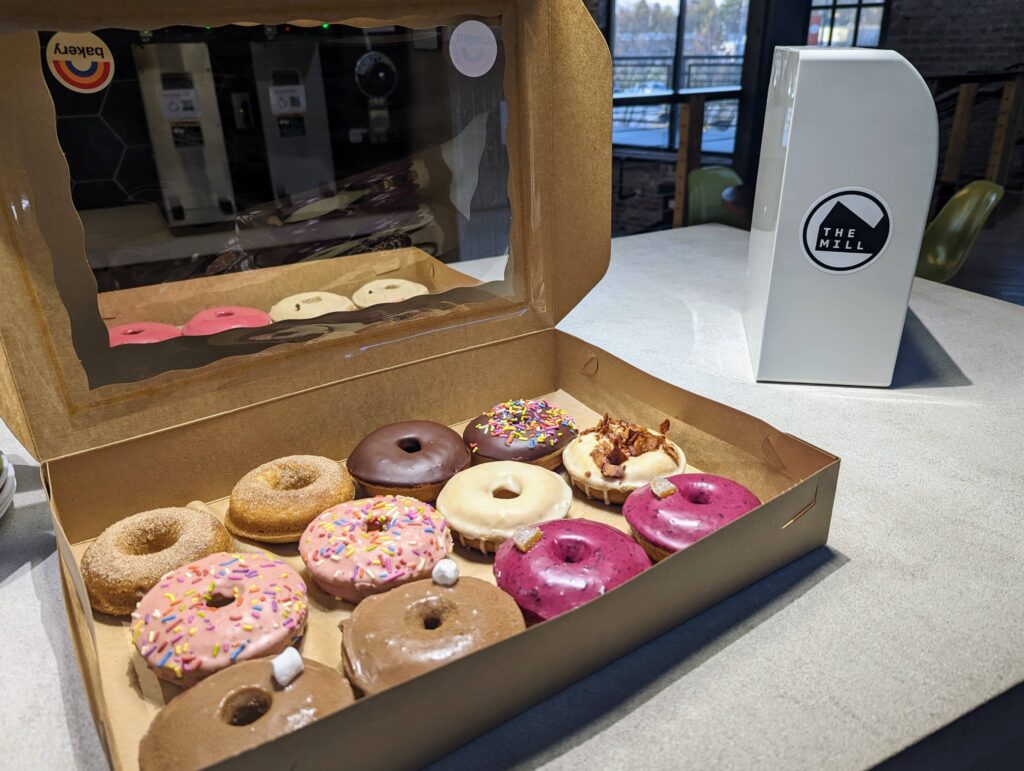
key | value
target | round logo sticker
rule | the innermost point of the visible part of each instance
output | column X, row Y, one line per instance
column 80, row 61
column 473, row 48
column 846, row 230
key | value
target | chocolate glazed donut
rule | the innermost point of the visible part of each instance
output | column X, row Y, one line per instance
column 414, row 458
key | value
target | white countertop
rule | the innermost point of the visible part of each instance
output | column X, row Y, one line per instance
column 909, row 618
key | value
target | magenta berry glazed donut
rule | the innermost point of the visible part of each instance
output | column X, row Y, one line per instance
column 675, row 512
column 214, row 320
column 368, row 546
column 224, row 608
column 555, row 566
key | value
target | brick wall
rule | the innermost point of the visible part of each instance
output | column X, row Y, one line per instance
column 949, row 36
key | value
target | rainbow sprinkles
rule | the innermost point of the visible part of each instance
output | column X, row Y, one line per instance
column 211, row 613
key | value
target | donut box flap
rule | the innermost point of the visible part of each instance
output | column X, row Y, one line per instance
column 63, row 390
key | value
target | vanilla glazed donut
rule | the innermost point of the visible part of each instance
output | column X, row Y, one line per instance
column 208, row 614
column 368, row 546
column 310, row 305
column 274, row 502
column 616, row 457
column 387, row 290
column 484, row 504
column 131, row 555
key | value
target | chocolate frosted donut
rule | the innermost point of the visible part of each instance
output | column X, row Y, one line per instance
column 414, row 458
column 529, row 430
column 237, row 709
column 395, row 636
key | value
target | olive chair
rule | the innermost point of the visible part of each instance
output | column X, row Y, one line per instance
column 704, row 189
column 949, row 237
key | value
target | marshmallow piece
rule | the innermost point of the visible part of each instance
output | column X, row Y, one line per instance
column 445, row 572
column 662, row 488
column 287, row 665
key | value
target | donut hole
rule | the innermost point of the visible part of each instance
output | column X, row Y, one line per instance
column 504, row 493
column 409, row 444
column 392, row 286
column 219, row 601
column 697, row 495
column 571, row 551
column 431, row 622
column 245, row 706
column 152, row 540
column 224, row 314
column 429, row 614
column 132, row 331
column 289, row 477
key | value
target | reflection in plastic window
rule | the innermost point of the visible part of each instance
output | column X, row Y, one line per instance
column 241, row 181
column 644, row 125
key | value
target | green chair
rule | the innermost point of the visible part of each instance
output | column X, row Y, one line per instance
column 949, row 237
column 704, row 188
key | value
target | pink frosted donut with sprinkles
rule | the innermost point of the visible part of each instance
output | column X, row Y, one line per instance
column 208, row 614
column 368, row 546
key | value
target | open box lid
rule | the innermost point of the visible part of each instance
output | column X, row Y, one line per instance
column 57, row 390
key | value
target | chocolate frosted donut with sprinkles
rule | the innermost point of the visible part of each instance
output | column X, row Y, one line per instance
column 527, row 430
column 224, row 608
column 368, row 546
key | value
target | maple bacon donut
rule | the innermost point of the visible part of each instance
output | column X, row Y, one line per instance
column 185, row 631
column 670, row 514
column 131, row 555
column 527, row 430
column 413, row 458
column 275, row 502
column 484, row 504
column 239, row 708
column 395, row 636
column 363, row 547
column 616, row 457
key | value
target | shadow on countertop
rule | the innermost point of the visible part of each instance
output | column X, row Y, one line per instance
column 922, row 362
column 584, row 709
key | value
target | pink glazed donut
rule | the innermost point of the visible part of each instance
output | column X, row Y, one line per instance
column 224, row 608
column 700, row 505
column 571, row 562
column 142, row 332
column 365, row 547
column 214, row 320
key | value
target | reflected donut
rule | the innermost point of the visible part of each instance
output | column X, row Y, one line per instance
column 387, row 290
column 214, row 320
column 310, row 305
column 142, row 333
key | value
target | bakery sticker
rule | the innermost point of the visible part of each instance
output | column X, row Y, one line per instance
column 80, row 61
column 473, row 48
column 846, row 230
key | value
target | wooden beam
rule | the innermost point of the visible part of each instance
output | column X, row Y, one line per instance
column 958, row 134
column 1005, row 134
column 691, row 132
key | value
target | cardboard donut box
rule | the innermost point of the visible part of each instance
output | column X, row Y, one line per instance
column 187, row 434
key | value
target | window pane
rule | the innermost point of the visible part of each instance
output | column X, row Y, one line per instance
column 641, row 126
column 869, row 33
column 720, row 126
column 644, row 44
column 818, row 29
column 842, row 27
column 821, row 2
column 713, row 42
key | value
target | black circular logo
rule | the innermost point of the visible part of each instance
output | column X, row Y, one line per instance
column 846, row 230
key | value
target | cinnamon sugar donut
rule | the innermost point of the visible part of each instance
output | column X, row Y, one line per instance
column 131, row 555
column 275, row 502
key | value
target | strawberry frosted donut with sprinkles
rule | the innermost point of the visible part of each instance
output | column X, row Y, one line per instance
column 224, row 608
column 368, row 546
column 527, row 430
